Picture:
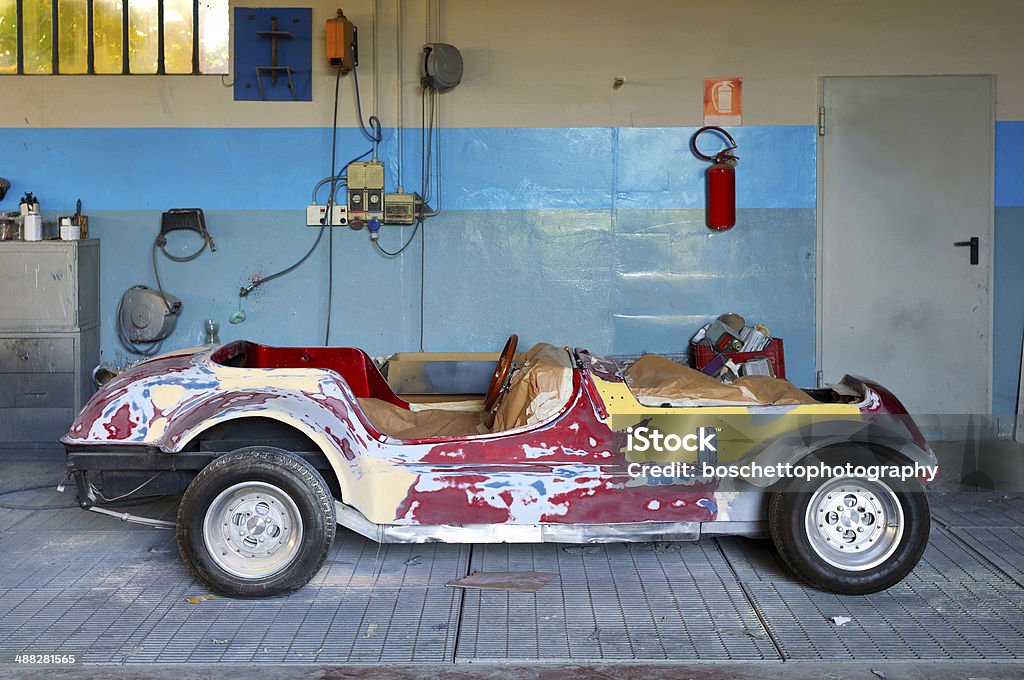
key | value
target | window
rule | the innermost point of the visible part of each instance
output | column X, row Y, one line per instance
column 113, row 36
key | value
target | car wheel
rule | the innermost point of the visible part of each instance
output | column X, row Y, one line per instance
column 850, row 535
column 255, row 522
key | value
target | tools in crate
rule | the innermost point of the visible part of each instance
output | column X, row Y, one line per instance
column 728, row 348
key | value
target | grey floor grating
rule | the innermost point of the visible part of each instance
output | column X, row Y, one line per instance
column 978, row 509
column 113, row 597
column 642, row 601
column 912, row 620
column 77, row 582
column 1003, row 546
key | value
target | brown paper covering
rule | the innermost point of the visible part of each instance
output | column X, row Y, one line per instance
column 398, row 422
column 769, row 390
column 657, row 377
column 538, row 390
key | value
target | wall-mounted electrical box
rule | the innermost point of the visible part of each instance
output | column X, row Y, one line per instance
column 316, row 216
column 365, row 191
column 400, row 208
column 342, row 45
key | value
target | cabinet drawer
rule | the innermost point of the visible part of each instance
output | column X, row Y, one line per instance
column 48, row 285
column 37, row 390
column 31, row 355
column 34, row 424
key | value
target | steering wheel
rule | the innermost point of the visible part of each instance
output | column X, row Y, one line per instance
column 502, row 372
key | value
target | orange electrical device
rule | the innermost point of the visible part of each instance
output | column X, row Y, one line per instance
column 341, row 43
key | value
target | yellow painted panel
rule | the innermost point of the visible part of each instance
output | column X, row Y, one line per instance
column 213, row 36
column 8, row 36
column 108, row 38
column 143, row 36
column 38, row 36
column 178, row 36
column 73, row 18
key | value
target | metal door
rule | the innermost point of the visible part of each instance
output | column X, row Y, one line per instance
column 906, row 174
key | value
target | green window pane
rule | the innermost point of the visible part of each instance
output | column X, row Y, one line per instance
column 73, row 49
column 108, row 41
column 143, row 37
column 37, row 40
column 178, row 36
column 8, row 36
column 213, row 36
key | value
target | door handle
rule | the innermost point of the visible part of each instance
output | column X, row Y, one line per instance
column 973, row 245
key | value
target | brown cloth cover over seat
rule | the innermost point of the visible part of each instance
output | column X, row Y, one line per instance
column 769, row 390
column 401, row 423
column 654, row 379
column 539, row 390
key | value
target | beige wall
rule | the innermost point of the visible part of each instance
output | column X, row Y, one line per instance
column 551, row 63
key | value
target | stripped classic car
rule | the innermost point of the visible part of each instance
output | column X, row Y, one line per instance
column 273, row 447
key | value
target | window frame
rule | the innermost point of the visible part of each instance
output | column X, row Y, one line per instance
column 125, row 43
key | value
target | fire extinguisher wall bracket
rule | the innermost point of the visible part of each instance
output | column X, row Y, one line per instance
column 721, row 180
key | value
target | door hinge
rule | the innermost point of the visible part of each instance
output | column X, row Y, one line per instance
column 820, row 379
column 821, row 121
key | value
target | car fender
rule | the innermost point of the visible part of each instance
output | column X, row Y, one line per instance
column 314, row 434
column 325, row 415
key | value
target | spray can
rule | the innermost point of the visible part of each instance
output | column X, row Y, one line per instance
column 32, row 221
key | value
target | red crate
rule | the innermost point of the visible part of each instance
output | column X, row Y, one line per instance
column 701, row 355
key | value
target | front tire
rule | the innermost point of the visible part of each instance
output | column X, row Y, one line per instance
column 850, row 535
column 256, row 522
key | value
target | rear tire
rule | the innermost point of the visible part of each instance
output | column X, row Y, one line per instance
column 850, row 535
column 256, row 522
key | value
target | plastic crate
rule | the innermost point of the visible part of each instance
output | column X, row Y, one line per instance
column 701, row 355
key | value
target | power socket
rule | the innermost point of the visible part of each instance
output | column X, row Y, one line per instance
column 315, row 215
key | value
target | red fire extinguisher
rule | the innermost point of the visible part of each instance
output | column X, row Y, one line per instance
column 721, row 201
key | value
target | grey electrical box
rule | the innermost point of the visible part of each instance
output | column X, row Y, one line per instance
column 49, row 336
column 401, row 208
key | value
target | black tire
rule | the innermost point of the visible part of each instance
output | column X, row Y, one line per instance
column 237, row 528
column 806, row 549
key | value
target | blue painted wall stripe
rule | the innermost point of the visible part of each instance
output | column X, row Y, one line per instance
column 1009, row 163
column 484, row 169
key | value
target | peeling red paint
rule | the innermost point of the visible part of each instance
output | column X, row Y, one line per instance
column 346, row 450
column 466, row 492
column 616, row 501
column 576, row 436
column 121, row 384
column 120, row 425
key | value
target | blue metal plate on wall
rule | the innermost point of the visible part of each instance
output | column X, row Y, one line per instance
column 257, row 76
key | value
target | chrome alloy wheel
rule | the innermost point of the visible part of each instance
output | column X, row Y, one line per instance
column 854, row 524
column 253, row 530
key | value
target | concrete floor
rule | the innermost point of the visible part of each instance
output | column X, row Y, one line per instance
column 117, row 596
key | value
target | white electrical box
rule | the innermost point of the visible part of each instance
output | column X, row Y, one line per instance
column 316, row 216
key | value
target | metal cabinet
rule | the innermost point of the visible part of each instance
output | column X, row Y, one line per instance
column 49, row 336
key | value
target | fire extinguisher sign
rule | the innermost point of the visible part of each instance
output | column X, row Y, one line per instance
column 723, row 101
